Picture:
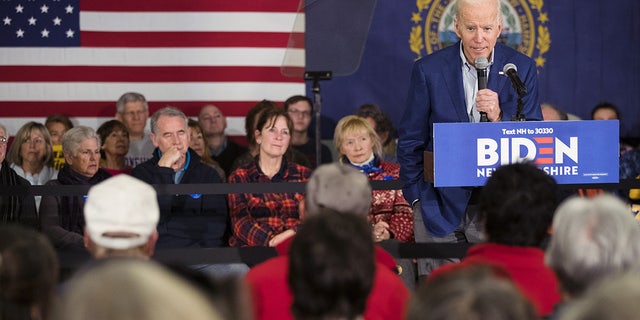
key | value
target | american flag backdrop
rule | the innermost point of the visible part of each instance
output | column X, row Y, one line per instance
column 78, row 56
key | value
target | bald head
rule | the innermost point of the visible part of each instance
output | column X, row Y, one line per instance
column 212, row 120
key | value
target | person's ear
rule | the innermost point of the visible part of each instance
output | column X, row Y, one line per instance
column 258, row 136
column 154, row 139
column 150, row 246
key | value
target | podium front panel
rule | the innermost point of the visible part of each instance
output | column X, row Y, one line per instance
column 573, row 152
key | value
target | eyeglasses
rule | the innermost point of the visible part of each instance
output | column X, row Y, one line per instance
column 296, row 113
column 3, row 140
column 131, row 114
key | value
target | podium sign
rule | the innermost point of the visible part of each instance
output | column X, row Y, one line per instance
column 573, row 152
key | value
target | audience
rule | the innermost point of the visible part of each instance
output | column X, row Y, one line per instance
column 516, row 206
column 57, row 125
column 28, row 274
column 300, row 110
column 132, row 289
column 251, row 125
column 328, row 266
column 221, row 148
column 615, row 298
column 132, row 110
column 383, row 127
column 14, row 208
column 331, row 267
column 189, row 220
column 62, row 217
column 605, row 111
column 31, row 155
column 228, row 294
column 115, row 146
column 551, row 113
column 121, row 215
column 269, row 218
column 592, row 239
column 629, row 155
column 358, row 145
column 199, row 145
column 479, row 292
column 333, row 188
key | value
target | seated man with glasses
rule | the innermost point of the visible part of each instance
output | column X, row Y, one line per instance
column 299, row 110
column 132, row 110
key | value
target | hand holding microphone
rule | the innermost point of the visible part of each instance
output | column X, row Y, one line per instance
column 482, row 66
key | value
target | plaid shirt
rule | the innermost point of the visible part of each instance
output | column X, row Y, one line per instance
column 256, row 218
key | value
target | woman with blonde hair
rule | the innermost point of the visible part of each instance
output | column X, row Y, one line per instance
column 359, row 146
column 31, row 155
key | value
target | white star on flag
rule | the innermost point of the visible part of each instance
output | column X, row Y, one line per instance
column 70, row 33
column 20, row 33
column 32, row 21
column 7, row 21
column 19, row 9
column 57, row 21
column 45, row 33
column 44, row 9
column 69, row 9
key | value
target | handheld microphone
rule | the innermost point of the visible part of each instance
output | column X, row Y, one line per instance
column 512, row 72
column 481, row 66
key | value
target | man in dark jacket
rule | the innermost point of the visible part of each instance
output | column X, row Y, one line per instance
column 192, row 220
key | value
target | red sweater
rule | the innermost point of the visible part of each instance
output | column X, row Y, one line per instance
column 272, row 297
column 526, row 267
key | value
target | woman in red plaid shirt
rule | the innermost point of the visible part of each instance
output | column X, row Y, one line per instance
column 266, row 219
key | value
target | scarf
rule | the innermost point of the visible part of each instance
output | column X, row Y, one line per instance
column 71, row 207
column 9, row 205
column 368, row 167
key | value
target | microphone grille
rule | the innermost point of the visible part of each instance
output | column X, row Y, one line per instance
column 509, row 66
column 481, row 63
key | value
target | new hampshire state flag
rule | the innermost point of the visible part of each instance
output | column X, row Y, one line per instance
column 586, row 51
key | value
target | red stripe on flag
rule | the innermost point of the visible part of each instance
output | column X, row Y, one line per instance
column 191, row 39
column 145, row 74
column 15, row 109
column 188, row 6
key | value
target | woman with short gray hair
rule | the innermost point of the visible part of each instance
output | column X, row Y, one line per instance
column 61, row 217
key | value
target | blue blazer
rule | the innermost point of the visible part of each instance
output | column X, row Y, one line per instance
column 436, row 95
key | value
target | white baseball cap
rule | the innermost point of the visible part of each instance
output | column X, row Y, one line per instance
column 121, row 212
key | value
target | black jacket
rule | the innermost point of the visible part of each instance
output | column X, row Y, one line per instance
column 192, row 220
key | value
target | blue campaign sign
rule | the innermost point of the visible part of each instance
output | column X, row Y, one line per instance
column 573, row 152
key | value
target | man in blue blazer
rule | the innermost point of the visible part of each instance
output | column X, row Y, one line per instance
column 444, row 89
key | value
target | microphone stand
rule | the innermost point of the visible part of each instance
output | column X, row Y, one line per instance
column 519, row 116
column 316, row 76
